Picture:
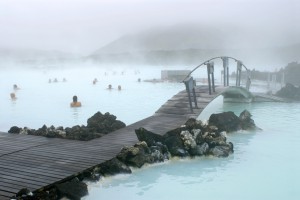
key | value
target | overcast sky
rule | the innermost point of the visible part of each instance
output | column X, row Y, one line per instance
column 82, row 26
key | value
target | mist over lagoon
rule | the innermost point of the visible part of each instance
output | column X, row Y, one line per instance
column 263, row 34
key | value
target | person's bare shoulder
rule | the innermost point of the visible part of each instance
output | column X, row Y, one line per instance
column 77, row 104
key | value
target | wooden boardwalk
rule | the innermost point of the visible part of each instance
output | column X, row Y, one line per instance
column 35, row 162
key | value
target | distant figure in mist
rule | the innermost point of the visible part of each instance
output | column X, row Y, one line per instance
column 55, row 80
column 119, row 87
column 75, row 102
column 16, row 87
column 13, row 96
column 95, row 81
column 64, row 80
column 139, row 79
column 49, row 80
column 109, row 87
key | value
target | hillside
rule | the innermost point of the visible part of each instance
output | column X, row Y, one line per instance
column 189, row 45
column 254, row 58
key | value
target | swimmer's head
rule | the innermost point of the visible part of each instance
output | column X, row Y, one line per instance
column 74, row 98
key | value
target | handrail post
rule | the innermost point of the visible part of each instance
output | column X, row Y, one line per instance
column 225, row 69
column 195, row 99
column 211, row 81
column 212, row 77
column 238, row 73
column 190, row 86
column 227, row 75
column 208, row 78
column 248, row 80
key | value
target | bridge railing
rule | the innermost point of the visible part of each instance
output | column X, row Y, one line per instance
column 190, row 83
column 225, row 75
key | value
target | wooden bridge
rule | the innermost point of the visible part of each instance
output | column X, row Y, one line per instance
column 36, row 162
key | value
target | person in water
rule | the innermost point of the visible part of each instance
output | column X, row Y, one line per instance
column 16, row 87
column 95, row 81
column 13, row 96
column 119, row 87
column 75, row 103
column 109, row 87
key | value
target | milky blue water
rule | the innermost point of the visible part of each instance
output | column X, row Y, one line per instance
column 40, row 102
column 265, row 164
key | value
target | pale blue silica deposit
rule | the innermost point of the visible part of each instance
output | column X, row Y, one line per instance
column 265, row 164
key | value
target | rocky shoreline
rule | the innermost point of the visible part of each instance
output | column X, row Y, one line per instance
column 98, row 125
column 194, row 138
column 289, row 91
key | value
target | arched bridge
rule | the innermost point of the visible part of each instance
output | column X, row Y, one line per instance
column 236, row 92
column 196, row 97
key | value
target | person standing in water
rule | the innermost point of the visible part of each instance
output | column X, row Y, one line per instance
column 95, row 81
column 13, row 96
column 75, row 103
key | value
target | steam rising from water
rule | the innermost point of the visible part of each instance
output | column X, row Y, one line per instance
column 83, row 26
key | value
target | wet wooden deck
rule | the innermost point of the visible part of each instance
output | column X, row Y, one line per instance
column 35, row 162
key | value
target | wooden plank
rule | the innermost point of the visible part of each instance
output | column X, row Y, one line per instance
column 58, row 161
column 15, row 186
column 69, row 166
column 36, row 165
column 34, row 184
column 6, row 170
column 19, row 159
column 4, row 195
column 180, row 111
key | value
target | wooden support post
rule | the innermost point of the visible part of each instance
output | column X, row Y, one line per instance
column 225, row 68
column 210, row 76
column 238, row 73
column 190, row 99
column 190, row 87
column 195, row 98
column 248, row 80
column 222, row 77
column 227, row 75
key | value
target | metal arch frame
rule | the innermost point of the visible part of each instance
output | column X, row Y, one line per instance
column 219, row 57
